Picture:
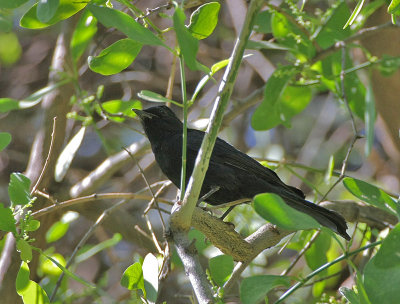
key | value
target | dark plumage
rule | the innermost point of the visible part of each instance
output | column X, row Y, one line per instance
column 238, row 175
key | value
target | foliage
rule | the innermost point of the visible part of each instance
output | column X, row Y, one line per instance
column 316, row 56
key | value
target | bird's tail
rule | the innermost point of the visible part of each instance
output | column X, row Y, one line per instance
column 325, row 217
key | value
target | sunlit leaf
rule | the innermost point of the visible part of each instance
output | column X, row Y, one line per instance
column 30, row 291
column 85, row 29
column 155, row 97
column 115, row 58
column 7, row 221
column 68, row 154
column 204, row 20
column 25, row 250
column 19, row 189
column 132, row 278
column 65, row 9
column 150, row 276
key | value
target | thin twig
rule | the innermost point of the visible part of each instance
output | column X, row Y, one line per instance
column 92, row 198
column 46, row 163
column 154, row 197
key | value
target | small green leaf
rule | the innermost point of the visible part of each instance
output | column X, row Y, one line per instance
column 155, row 97
column 254, row 289
column 187, row 43
column 56, row 231
column 370, row 194
column 204, row 20
column 22, row 280
column 329, row 170
column 48, row 267
column 116, row 57
column 11, row 4
column 68, row 154
column 272, row 208
column 132, row 278
column 316, row 255
column 25, row 250
column 369, row 118
column 119, row 106
column 5, row 139
column 7, row 221
column 382, row 272
column 65, row 9
column 32, row 225
column 98, row 247
column 355, row 13
column 394, row 6
column 19, row 189
column 10, row 47
column 8, row 104
column 126, row 24
column 150, row 276
column 46, row 9
column 221, row 268
column 85, row 29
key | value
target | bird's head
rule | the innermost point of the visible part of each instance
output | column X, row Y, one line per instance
column 159, row 121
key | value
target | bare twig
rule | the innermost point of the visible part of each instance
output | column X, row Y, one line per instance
column 46, row 163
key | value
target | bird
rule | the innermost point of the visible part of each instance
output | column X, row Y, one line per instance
column 231, row 176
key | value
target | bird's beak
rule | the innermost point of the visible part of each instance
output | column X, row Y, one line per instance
column 143, row 114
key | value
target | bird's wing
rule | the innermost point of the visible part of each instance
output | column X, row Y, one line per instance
column 230, row 156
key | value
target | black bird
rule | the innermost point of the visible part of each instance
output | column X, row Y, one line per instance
column 237, row 175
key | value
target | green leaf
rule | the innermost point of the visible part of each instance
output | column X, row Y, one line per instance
column 119, row 106
column 32, row 225
column 369, row 118
column 265, row 45
column 394, row 6
column 254, row 289
column 48, row 267
column 46, row 9
column 10, row 47
column 25, row 250
column 155, row 97
column 272, row 208
column 382, row 272
column 150, row 276
column 332, row 30
column 221, row 268
column 98, row 247
column 316, row 255
column 10, row 4
column 199, row 240
column 68, row 154
column 8, row 104
column 30, row 291
column 370, row 194
column 65, row 9
column 5, row 139
column 355, row 13
column 7, row 221
column 56, row 231
column 132, row 278
column 187, row 43
column 126, row 24
column 263, row 22
column 204, row 20
column 329, row 170
column 19, row 189
column 350, row 295
column 85, row 29
column 116, row 57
